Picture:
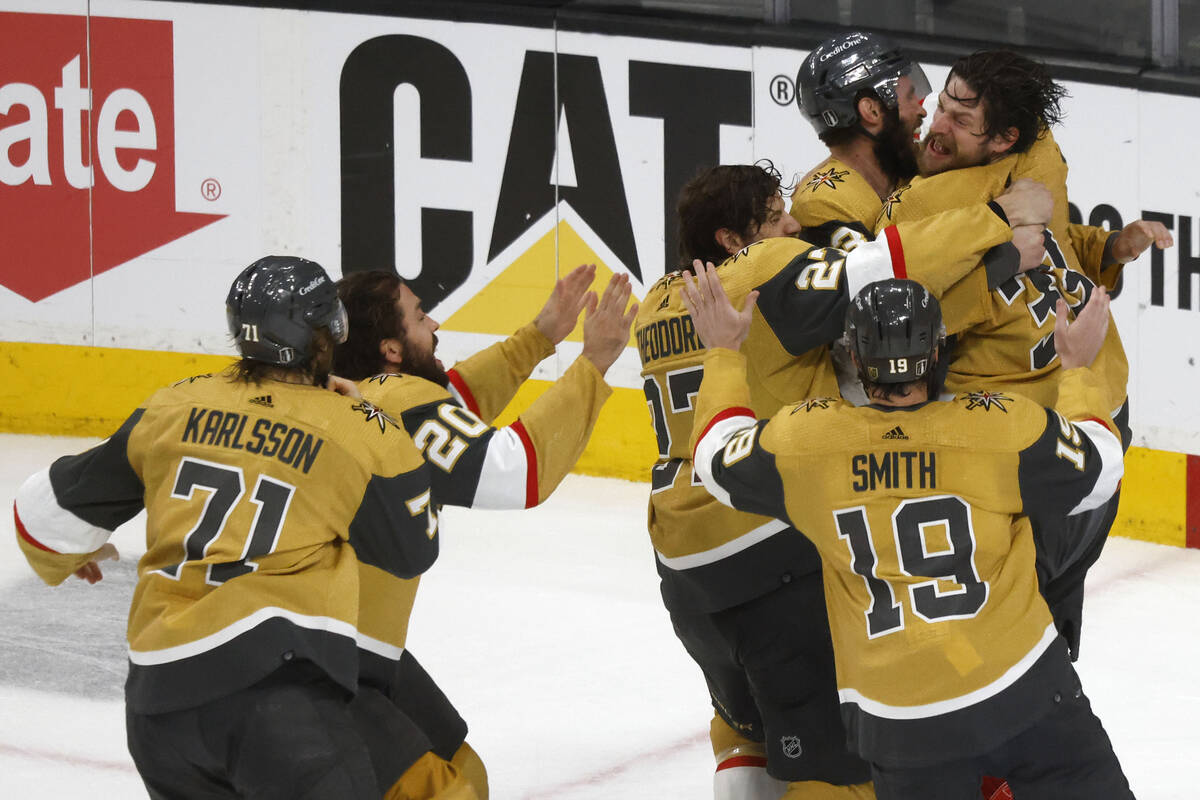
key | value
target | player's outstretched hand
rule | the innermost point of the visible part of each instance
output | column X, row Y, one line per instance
column 343, row 386
column 1078, row 342
column 1027, row 202
column 90, row 571
column 1030, row 241
column 718, row 323
column 557, row 318
column 1135, row 237
column 606, row 326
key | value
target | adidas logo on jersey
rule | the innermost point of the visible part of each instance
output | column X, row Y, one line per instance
column 896, row 433
column 263, row 400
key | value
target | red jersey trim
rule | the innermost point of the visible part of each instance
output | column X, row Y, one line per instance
column 531, row 471
column 736, row 411
column 24, row 534
column 742, row 761
column 463, row 390
column 896, row 250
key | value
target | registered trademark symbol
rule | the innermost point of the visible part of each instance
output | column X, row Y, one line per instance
column 210, row 188
column 783, row 91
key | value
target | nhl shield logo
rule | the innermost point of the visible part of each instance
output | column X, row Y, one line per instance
column 791, row 746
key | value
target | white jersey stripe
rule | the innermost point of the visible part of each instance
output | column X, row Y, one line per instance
column 878, row 709
column 52, row 525
column 503, row 478
column 713, row 442
column 869, row 262
column 167, row 655
column 730, row 548
column 1112, row 464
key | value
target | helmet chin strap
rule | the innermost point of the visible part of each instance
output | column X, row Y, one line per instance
column 858, row 126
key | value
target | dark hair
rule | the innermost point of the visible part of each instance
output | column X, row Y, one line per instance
column 317, row 366
column 733, row 196
column 1017, row 92
column 370, row 300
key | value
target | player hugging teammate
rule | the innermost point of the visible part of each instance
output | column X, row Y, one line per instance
column 973, row 215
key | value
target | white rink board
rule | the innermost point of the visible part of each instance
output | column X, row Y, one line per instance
column 257, row 108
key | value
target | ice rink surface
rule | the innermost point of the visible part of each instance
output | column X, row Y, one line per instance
column 546, row 629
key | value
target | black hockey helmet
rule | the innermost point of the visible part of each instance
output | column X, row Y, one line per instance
column 838, row 68
column 276, row 304
column 893, row 327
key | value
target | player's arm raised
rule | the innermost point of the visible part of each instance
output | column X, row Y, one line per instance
column 805, row 302
column 1077, row 462
column 487, row 381
column 726, row 454
column 518, row 466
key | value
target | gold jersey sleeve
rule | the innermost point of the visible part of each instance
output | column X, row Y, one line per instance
column 1091, row 245
column 487, row 380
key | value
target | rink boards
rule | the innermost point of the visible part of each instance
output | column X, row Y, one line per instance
column 151, row 150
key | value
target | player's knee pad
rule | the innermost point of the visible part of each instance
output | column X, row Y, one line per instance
column 470, row 766
column 818, row 790
column 431, row 778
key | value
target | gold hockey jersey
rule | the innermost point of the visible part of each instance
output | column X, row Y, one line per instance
column 472, row 463
column 943, row 644
column 1004, row 336
column 262, row 500
column 711, row 557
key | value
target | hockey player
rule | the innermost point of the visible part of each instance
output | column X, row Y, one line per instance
column 391, row 351
column 991, row 126
column 263, row 493
column 732, row 581
column 863, row 95
column 948, row 663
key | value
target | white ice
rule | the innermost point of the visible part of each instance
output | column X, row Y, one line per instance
column 546, row 629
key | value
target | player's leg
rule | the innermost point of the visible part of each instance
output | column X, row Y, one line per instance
column 415, row 692
column 741, row 766
column 288, row 736
column 172, row 759
column 736, row 732
column 785, row 645
column 956, row 780
column 431, row 778
column 470, row 766
column 819, row 790
column 1067, row 755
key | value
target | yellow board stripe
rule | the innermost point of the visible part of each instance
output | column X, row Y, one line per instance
column 89, row 391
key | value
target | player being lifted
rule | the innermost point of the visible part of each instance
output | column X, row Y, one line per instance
column 263, row 494
column 731, row 581
column 949, row 665
column 391, row 351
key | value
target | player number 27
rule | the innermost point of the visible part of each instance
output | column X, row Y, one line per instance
column 952, row 560
column 682, row 387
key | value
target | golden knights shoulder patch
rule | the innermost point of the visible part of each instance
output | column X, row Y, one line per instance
column 372, row 412
column 830, row 177
column 892, row 201
column 812, row 403
column 987, row 401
